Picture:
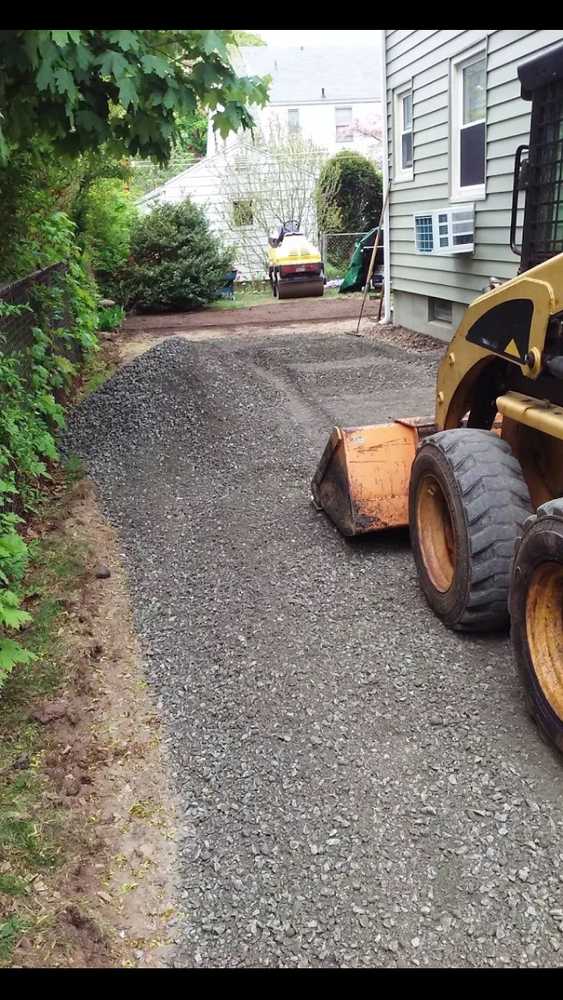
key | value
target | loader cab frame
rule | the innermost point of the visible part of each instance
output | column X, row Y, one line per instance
column 540, row 174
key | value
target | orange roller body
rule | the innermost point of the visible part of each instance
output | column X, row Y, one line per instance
column 362, row 480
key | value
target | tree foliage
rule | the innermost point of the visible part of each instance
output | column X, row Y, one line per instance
column 127, row 88
column 189, row 146
column 175, row 262
column 349, row 194
column 108, row 218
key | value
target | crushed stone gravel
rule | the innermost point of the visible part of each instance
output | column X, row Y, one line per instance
column 360, row 785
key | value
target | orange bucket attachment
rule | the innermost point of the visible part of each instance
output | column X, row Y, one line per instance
column 362, row 480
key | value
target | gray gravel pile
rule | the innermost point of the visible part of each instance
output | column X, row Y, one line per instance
column 360, row 786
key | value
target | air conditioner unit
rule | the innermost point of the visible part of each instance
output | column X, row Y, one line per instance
column 446, row 231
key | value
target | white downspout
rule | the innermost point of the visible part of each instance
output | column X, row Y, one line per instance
column 387, row 247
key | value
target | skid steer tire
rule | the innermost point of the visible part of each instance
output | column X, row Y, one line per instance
column 467, row 502
column 536, row 613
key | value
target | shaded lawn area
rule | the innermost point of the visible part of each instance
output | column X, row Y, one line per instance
column 258, row 293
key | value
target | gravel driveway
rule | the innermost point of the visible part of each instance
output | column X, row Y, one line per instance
column 360, row 786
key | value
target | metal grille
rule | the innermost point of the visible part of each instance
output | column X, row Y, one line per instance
column 543, row 218
column 423, row 233
column 50, row 312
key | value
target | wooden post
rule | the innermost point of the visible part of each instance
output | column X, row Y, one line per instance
column 372, row 261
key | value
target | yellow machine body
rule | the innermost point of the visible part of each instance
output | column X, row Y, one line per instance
column 294, row 249
column 362, row 479
column 295, row 267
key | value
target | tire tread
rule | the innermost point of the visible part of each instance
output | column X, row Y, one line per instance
column 496, row 503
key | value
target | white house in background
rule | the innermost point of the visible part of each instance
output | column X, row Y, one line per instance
column 330, row 96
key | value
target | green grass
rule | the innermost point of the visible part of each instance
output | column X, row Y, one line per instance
column 10, row 931
column 110, row 317
column 32, row 836
column 258, row 293
column 97, row 372
column 249, row 293
column 12, row 885
column 74, row 469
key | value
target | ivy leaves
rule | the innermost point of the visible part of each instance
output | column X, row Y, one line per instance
column 30, row 415
column 84, row 87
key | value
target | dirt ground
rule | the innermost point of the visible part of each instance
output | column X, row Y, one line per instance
column 136, row 338
column 111, row 901
column 314, row 310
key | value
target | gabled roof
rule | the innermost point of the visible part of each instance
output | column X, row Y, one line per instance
column 300, row 73
column 195, row 168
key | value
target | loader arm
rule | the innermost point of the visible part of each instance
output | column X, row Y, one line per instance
column 510, row 324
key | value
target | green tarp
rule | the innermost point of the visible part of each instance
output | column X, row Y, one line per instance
column 353, row 279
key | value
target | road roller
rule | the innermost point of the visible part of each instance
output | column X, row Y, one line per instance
column 295, row 267
column 480, row 482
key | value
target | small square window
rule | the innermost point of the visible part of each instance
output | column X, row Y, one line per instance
column 293, row 121
column 344, row 131
column 439, row 310
column 242, row 213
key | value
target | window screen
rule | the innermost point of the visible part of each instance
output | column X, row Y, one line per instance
column 343, row 124
column 423, row 233
column 472, row 125
column 406, row 131
column 440, row 310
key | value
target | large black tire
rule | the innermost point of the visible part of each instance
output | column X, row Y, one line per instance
column 536, row 612
column 467, row 502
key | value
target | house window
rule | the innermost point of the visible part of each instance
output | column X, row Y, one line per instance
column 344, row 131
column 439, row 310
column 403, row 134
column 242, row 213
column 293, row 121
column 468, row 125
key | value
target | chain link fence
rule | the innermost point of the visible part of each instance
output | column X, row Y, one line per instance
column 336, row 251
column 50, row 311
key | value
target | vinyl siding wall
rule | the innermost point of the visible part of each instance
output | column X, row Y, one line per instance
column 423, row 57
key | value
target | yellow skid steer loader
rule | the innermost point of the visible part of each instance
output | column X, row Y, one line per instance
column 480, row 484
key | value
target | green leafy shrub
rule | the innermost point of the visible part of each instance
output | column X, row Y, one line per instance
column 110, row 317
column 176, row 263
column 108, row 218
column 348, row 196
column 30, row 415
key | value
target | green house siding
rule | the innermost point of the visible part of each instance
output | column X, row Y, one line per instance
column 422, row 58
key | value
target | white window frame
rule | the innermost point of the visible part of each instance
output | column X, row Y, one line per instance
column 474, row 192
column 295, row 130
column 350, row 126
column 402, row 174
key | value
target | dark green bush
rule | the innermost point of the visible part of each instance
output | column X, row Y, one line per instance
column 348, row 194
column 175, row 263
